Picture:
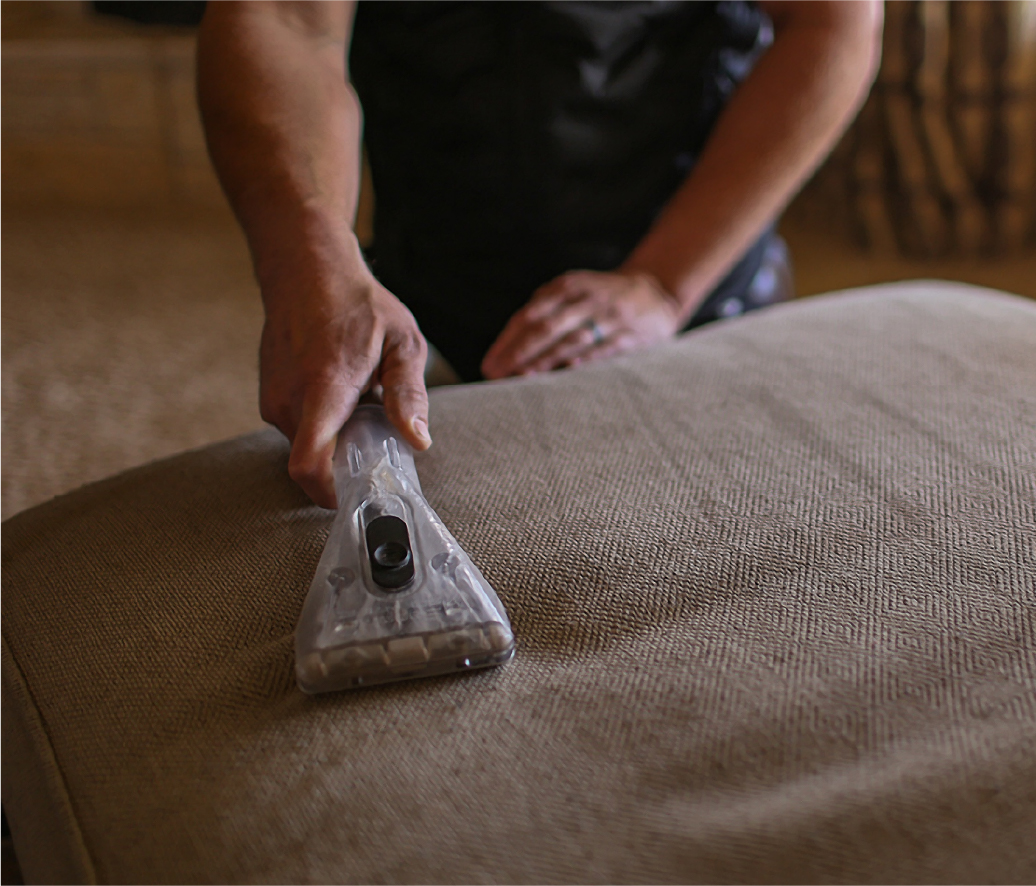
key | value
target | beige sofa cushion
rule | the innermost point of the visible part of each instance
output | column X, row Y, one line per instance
column 774, row 589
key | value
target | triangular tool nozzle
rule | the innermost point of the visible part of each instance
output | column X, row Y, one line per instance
column 394, row 596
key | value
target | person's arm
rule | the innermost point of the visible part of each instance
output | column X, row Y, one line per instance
column 283, row 126
column 778, row 126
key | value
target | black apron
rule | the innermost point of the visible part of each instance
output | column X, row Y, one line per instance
column 511, row 142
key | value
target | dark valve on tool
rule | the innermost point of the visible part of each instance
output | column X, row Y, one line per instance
column 388, row 549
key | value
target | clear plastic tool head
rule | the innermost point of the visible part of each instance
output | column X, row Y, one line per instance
column 394, row 596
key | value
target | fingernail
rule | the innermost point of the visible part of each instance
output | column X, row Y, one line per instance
column 420, row 427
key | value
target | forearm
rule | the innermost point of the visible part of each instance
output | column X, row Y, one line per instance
column 283, row 127
column 778, row 126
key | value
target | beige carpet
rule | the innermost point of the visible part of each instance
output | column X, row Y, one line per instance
column 126, row 337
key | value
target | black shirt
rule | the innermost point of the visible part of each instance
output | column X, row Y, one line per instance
column 511, row 142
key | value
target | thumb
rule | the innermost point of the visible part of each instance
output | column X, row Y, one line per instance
column 405, row 394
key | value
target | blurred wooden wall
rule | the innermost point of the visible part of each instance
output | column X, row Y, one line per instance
column 98, row 113
column 101, row 113
column 942, row 159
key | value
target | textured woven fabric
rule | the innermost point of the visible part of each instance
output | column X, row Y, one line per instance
column 773, row 585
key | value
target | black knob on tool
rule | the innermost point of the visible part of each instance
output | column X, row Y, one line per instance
column 388, row 549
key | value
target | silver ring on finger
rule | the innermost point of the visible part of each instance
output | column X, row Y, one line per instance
column 595, row 330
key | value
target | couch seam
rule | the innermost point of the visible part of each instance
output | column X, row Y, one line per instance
column 30, row 706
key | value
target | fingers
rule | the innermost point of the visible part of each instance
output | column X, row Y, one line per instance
column 611, row 347
column 545, row 304
column 583, row 316
column 567, row 287
column 497, row 362
column 564, row 352
column 325, row 409
column 405, row 395
column 531, row 334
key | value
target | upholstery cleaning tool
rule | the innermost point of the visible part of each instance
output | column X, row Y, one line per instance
column 394, row 596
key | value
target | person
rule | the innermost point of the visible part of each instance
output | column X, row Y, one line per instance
column 556, row 183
